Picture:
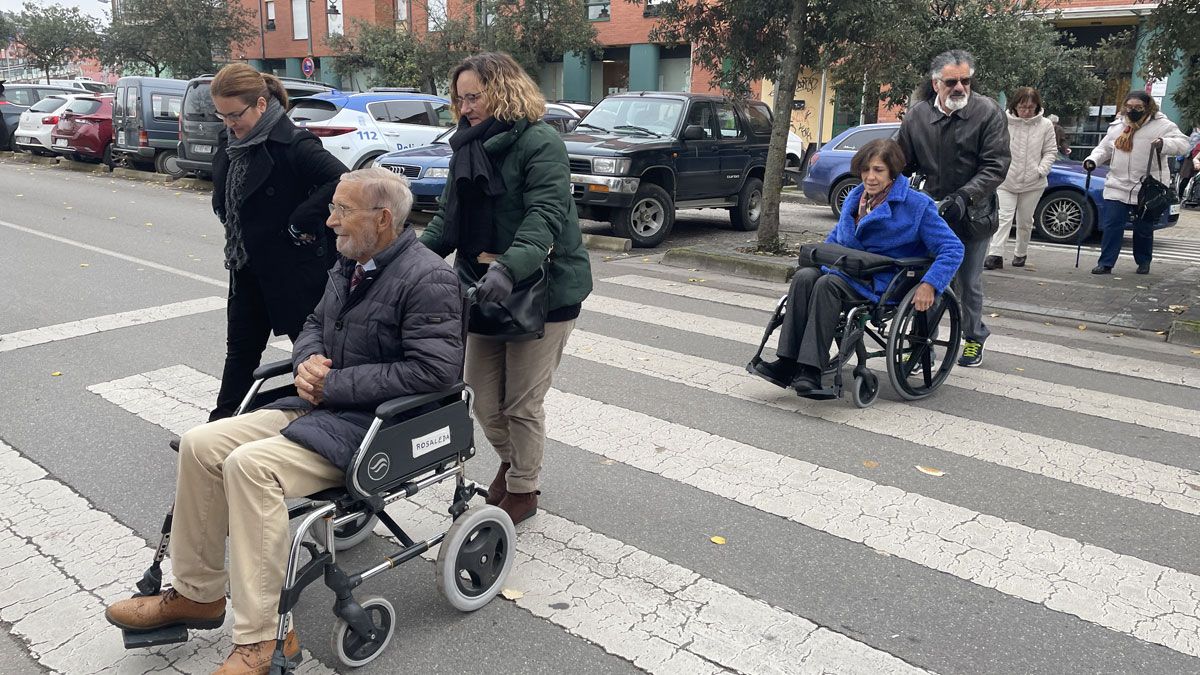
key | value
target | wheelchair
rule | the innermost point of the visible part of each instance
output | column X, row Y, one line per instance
column 920, row 347
column 414, row 443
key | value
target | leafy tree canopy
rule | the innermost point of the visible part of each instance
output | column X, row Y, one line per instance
column 53, row 36
column 1174, row 42
column 184, row 37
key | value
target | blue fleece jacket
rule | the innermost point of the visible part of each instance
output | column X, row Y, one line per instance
column 907, row 225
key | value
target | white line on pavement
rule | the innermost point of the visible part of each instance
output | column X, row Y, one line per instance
column 660, row 616
column 1064, row 397
column 221, row 283
column 100, row 324
column 1150, row 482
column 1071, row 356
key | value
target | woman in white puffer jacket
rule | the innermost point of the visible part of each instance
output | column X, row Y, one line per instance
column 1032, row 143
column 1140, row 130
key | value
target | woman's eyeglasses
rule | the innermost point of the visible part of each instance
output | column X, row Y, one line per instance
column 232, row 117
column 468, row 98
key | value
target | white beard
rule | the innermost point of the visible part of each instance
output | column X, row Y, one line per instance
column 953, row 104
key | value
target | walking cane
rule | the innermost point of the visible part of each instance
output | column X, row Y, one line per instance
column 1084, row 215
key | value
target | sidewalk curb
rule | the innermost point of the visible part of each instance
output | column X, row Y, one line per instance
column 83, row 167
column 599, row 242
column 738, row 264
column 30, row 158
column 144, row 176
column 192, row 184
column 1184, row 332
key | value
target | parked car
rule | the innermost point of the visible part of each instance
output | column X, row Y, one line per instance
column 146, row 122
column 581, row 108
column 85, row 130
column 16, row 99
column 358, row 128
column 1058, row 216
column 427, row 168
column 33, row 132
column 637, row 157
column 85, row 83
column 199, row 126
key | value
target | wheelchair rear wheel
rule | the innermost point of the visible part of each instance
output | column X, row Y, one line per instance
column 475, row 557
column 346, row 537
column 352, row 649
column 922, row 346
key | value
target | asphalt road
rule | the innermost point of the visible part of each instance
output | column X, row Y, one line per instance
column 1040, row 514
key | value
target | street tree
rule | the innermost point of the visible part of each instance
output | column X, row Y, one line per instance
column 183, row 37
column 1174, row 43
column 53, row 36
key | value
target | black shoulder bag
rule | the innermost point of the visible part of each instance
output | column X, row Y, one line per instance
column 519, row 317
column 1154, row 197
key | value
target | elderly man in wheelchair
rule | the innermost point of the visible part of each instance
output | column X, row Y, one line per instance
column 380, row 357
column 890, row 258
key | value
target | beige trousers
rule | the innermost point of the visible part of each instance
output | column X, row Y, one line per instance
column 234, row 475
column 510, row 381
column 1021, row 205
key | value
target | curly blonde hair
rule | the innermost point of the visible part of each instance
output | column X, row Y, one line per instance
column 511, row 94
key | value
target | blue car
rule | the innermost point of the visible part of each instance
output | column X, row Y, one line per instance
column 428, row 167
column 1057, row 218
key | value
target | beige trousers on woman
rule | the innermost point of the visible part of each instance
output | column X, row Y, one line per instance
column 510, row 381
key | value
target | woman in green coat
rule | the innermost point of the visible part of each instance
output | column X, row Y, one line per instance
column 506, row 208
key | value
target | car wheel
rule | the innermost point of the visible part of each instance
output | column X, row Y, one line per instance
column 746, row 215
column 837, row 196
column 367, row 161
column 1060, row 215
column 650, row 219
column 168, row 162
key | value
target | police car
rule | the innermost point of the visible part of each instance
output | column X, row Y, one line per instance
column 357, row 128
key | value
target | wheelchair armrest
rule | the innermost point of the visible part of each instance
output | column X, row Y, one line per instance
column 273, row 369
column 914, row 262
column 389, row 410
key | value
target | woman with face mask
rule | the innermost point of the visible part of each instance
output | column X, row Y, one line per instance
column 1134, row 139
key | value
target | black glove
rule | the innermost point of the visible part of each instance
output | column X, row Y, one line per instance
column 1089, row 165
column 300, row 237
column 953, row 208
column 495, row 286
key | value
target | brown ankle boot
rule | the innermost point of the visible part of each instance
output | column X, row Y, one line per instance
column 499, row 486
column 165, row 609
column 255, row 659
column 520, row 505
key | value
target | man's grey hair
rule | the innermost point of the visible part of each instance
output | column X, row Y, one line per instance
column 383, row 188
column 950, row 58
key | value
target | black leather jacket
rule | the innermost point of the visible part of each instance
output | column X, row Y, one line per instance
column 965, row 151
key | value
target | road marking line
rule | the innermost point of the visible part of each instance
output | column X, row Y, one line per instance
column 62, row 561
column 1071, row 356
column 1116, row 474
column 1049, row 394
column 221, row 283
column 100, row 324
column 660, row 616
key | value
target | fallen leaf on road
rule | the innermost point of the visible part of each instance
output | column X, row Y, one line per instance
column 112, row 217
column 1144, row 288
column 929, row 470
column 83, row 265
column 870, row 464
column 696, row 281
column 20, row 195
column 609, row 462
column 149, row 224
column 645, row 260
column 1196, row 352
column 1041, row 283
column 717, row 539
column 993, row 315
column 1178, row 309
column 1160, row 332
column 56, row 374
column 512, row 594
column 1081, row 327
column 1020, row 370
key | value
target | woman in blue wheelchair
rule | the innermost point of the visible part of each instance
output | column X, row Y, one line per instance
column 883, row 216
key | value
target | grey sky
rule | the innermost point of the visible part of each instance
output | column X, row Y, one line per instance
column 96, row 8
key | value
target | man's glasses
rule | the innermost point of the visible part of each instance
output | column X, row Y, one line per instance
column 341, row 211
column 232, row 117
column 468, row 98
column 953, row 82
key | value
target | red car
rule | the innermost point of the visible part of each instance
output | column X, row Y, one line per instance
column 84, row 130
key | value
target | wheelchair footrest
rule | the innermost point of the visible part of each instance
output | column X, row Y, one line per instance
column 161, row 636
column 820, row 394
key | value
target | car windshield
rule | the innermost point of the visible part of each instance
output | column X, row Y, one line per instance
column 628, row 115
column 198, row 104
column 83, row 106
column 445, row 137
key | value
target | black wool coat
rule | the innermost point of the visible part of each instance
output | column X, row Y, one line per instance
column 291, row 183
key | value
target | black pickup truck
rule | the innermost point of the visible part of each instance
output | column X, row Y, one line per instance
column 637, row 157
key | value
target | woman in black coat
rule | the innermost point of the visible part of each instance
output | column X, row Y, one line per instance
column 272, row 183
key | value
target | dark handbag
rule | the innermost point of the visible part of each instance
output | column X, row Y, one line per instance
column 519, row 317
column 1154, row 197
column 854, row 262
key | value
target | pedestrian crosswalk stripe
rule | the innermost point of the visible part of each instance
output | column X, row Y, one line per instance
column 1122, row 593
column 1043, row 351
column 662, row 617
column 62, row 562
column 100, row 324
column 1064, row 397
column 1142, row 480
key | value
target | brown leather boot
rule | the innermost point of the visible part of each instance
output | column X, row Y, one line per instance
column 255, row 659
column 499, row 486
column 520, row 505
column 165, row 609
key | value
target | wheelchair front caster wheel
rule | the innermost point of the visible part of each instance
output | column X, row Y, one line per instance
column 866, row 388
column 475, row 557
column 346, row 537
column 354, row 650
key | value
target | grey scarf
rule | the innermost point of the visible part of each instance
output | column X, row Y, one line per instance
column 240, row 151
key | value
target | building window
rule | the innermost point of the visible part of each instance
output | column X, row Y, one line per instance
column 437, row 15
column 598, row 10
column 401, row 11
column 299, row 19
column 654, row 7
column 270, row 14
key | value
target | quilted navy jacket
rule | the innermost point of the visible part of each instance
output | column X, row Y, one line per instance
column 399, row 333
column 907, row 225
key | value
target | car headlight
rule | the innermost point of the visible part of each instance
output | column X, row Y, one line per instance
column 613, row 166
column 438, row 172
